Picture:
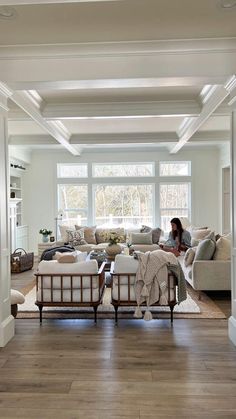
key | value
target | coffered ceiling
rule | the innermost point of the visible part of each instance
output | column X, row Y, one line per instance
column 124, row 73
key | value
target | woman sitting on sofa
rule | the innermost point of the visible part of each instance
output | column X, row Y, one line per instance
column 178, row 240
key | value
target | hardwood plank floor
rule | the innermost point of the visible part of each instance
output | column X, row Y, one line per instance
column 142, row 370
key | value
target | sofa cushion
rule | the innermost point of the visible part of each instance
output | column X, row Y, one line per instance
column 156, row 233
column 17, row 297
column 125, row 264
column 189, row 256
column 131, row 230
column 52, row 267
column 200, row 234
column 141, row 238
column 76, row 237
column 223, row 249
column 205, row 249
column 89, row 233
column 145, row 247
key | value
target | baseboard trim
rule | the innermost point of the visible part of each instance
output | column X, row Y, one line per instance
column 7, row 330
column 232, row 329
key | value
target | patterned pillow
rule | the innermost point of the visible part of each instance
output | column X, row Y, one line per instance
column 76, row 238
column 64, row 232
column 189, row 256
column 89, row 233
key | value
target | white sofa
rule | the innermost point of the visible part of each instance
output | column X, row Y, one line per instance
column 76, row 284
column 94, row 239
column 208, row 275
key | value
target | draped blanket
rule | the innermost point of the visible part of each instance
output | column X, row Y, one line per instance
column 151, row 279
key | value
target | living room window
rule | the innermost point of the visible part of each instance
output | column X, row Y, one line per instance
column 124, row 204
column 73, row 201
column 72, row 170
column 176, row 168
column 123, row 169
column 174, row 202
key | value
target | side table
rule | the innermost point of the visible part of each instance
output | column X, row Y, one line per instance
column 44, row 246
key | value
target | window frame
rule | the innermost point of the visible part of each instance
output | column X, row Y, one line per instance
column 94, row 185
column 123, row 164
column 188, row 209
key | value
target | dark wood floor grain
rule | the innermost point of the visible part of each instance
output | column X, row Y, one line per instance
column 142, row 370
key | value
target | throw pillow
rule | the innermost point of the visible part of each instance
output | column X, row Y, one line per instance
column 156, row 233
column 200, row 234
column 223, row 249
column 64, row 232
column 76, row 238
column 210, row 235
column 70, row 257
column 195, row 242
column 205, row 250
column 141, row 238
column 89, row 233
column 189, row 256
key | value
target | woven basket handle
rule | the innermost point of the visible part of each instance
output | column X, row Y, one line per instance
column 19, row 248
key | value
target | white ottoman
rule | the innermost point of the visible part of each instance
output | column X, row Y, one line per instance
column 16, row 298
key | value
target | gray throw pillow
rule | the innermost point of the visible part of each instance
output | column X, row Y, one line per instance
column 141, row 238
column 156, row 233
column 205, row 250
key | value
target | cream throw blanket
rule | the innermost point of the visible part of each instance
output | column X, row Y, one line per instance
column 151, row 279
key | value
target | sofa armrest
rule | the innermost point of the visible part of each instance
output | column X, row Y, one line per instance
column 211, row 275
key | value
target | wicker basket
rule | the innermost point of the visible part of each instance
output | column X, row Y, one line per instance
column 21, row 261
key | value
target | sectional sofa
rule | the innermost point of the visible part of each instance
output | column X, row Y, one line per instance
column 142, row 239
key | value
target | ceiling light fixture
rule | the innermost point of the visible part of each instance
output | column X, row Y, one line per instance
column 7, row 12
column 228, row 4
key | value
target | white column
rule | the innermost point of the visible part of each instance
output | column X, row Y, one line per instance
column 232, row 319
column 6, row 319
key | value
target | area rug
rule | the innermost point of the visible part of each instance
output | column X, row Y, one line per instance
column 190, row 308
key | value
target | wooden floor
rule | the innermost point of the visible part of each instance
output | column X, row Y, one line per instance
column 147, row 370
column 142, row 370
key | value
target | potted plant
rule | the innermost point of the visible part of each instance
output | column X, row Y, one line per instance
column 45, row 233
column 113, row 238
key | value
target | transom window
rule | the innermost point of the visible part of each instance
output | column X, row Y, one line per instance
column 123, row 169
column 73, row 170
column 175, row 168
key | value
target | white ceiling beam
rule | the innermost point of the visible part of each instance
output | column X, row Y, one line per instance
column 183, row 108
column 24, row 101
column 215, row 98
column 115, row 64
column 121, row 109
column 122, row 138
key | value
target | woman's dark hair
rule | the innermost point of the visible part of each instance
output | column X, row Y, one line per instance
column 179, row 231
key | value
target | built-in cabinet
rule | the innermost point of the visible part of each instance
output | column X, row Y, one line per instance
column 18, row 230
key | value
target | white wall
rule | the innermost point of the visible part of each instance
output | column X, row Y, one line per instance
column 224, row 161
column 40, row 204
